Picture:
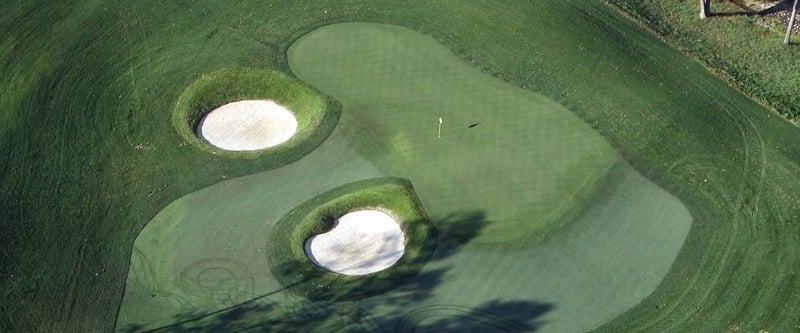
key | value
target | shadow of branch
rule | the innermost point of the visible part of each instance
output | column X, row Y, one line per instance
column 782, row 6
column 493, row 316
column 456, row 230
column 275, row 312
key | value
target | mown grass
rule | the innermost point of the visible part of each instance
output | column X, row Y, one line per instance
column 290, row 264
column 745, row 53
column 84, row 83
column 527, row 161
column 316, row 114
column 383, row 132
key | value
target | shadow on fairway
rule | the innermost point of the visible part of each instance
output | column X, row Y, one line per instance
column 265, row 313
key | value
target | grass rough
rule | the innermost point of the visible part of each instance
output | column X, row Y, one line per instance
column 745, row 50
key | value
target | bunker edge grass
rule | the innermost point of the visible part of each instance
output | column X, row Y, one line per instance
column 291, row 266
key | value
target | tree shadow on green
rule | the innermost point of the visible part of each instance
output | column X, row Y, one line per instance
column 494, row 316
column 272, row 312
column 778, row 7
column 457, row 229
column 5, row 322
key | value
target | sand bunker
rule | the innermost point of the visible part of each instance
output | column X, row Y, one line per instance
column 359, row 243
column 248, row 125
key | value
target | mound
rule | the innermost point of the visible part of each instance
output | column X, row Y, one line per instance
column 359, row 243
column 254, row 114
column 248, row 125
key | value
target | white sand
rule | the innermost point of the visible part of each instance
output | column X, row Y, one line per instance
column 360, row 242
column 248, row 125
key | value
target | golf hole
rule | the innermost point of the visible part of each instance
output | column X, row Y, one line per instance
column 359, row 243
column 248, row 125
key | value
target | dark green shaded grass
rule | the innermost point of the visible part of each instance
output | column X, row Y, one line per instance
column 86, row 83
column 291, row 266
column 316, row 115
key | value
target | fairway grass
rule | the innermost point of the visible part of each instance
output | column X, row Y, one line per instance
column 91, row 156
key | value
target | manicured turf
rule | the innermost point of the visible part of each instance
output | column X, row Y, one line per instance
column 232, row 222
column 738, row 47
column 90, row 156
column 519, row 157
column 529, row 167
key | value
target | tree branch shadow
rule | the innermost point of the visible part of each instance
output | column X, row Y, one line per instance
column 5, row 322
column 456, row 230
column 782, row 6
column 265, row 313
column 493, row 316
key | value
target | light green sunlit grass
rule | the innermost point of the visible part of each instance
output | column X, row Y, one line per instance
column 520, row 157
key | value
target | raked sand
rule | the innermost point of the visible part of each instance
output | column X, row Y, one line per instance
column 360, row 242
column 248, row 125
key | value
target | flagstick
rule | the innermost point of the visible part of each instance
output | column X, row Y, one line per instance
column 440, row 128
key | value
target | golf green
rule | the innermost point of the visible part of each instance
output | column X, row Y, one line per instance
column 96, row 182
column 555, row 223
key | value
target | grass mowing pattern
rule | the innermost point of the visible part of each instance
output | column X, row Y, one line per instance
column 749, row 56
column 224, row 226
column 316, row 115
column 745, row 279
column 526, row 161
column 293, row 269
column 624, row 233
column 85, row 84
column 527, row 153
column 605, row 262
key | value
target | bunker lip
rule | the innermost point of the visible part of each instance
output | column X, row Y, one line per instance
column 360, row 242
column 248, row 125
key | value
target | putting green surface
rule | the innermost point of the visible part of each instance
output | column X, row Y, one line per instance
column 563, row 224
column 519, row 157
column 91, row 161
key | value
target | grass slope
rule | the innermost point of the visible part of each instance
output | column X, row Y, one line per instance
column 316, row 115
column 748, row 55
column 89, row 155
